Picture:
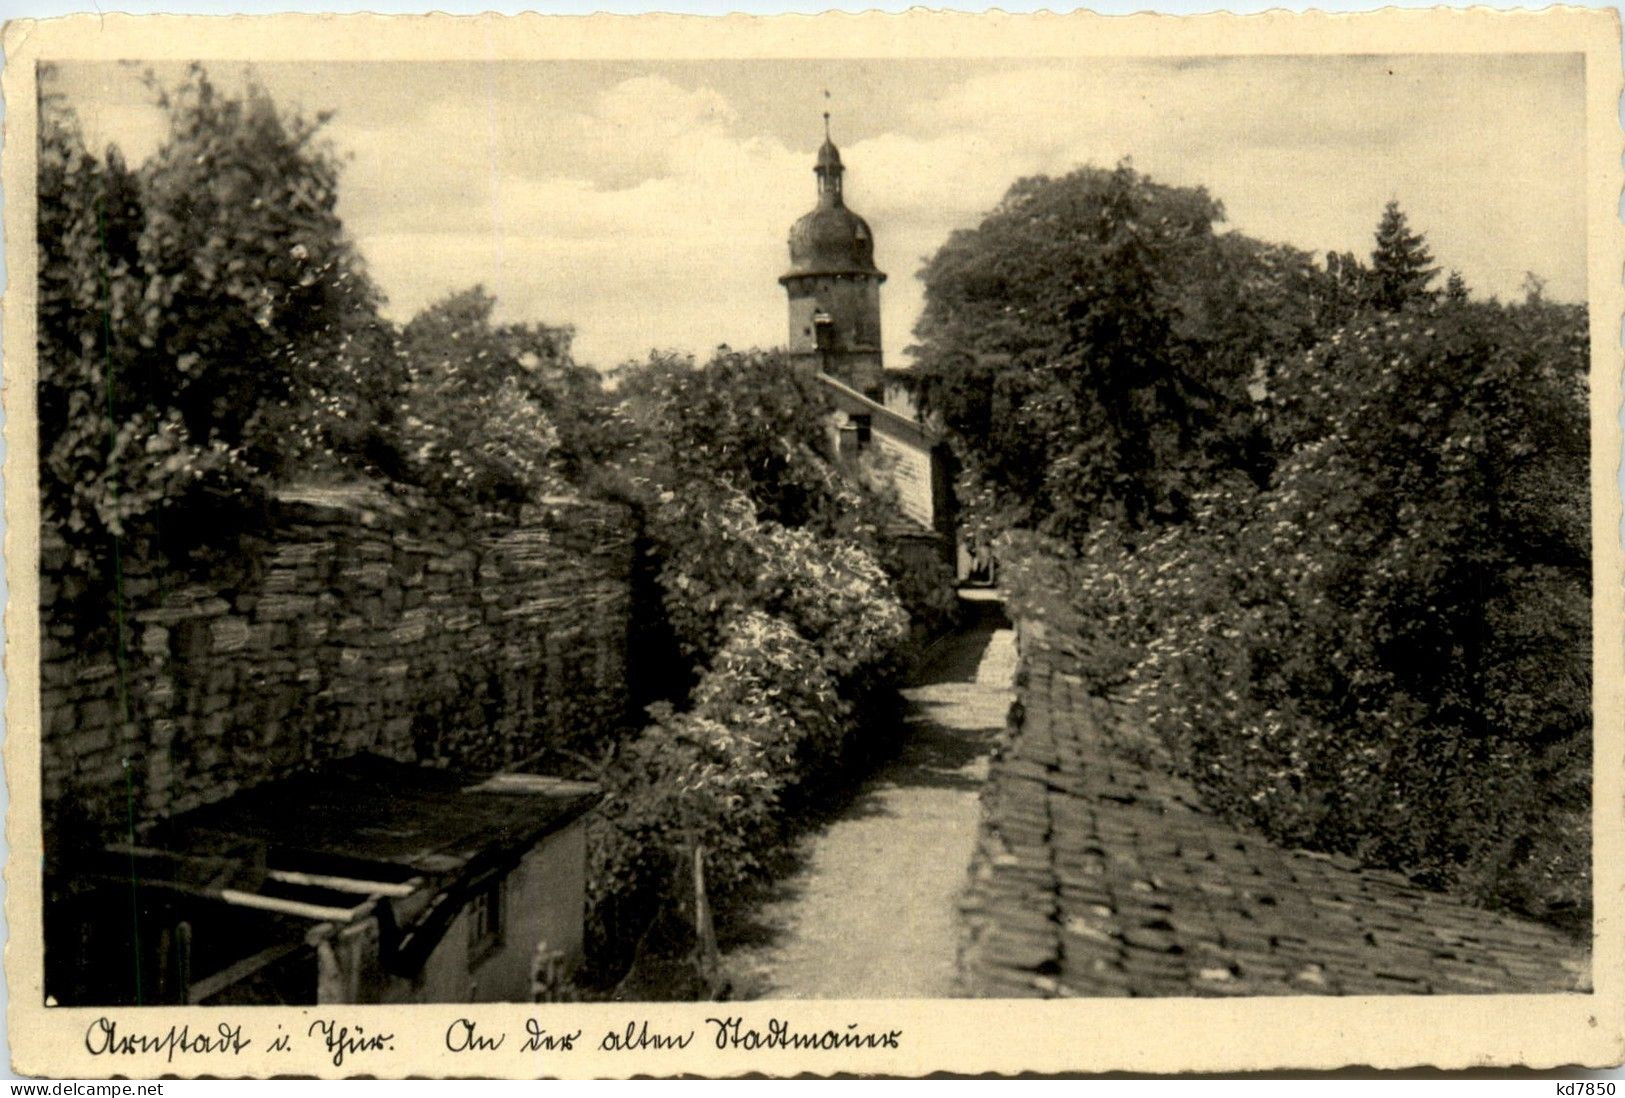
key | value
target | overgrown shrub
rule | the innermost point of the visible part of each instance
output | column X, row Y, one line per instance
column 791, row 631
column 774, row 715
column 751, row 423
column 685, row 781
column 188, row 309
column 1385, row 651
column 792, row 635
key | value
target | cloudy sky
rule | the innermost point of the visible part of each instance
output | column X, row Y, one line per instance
column 647, row 203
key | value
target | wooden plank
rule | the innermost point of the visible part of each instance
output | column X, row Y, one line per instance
column 293, row 907
column 346, row 884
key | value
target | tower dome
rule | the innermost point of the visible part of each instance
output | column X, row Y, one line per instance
column 831, row 240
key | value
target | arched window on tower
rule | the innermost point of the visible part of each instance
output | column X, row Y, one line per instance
column 824, row 331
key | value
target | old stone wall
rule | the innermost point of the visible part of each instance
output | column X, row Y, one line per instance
column 1099, row 872
column 358, row 625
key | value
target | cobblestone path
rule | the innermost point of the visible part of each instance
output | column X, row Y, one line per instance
column 873, row 912
column 1097, row 875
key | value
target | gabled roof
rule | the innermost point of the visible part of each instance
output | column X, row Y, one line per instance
column 881, row 417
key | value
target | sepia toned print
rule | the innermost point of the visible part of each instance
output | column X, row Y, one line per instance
column 657, row 551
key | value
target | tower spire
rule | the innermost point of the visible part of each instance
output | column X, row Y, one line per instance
column 829, row 166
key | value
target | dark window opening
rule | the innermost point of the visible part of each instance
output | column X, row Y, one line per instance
column 485, row 919
column 825, row 338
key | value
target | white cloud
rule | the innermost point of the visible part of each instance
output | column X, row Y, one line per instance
column 683, row 254
column 647, row 213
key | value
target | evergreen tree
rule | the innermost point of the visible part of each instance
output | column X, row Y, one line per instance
column 1401, row 264
column 1455, row 288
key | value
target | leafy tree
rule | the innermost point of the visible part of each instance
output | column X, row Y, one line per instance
column 1346, row 289
column 746, row 419
column 1401, row 265
column 1090, row 346
column 190, row 310
column 494, row 414
column 1424, row 545
column 749, row 429
column 251, row 282
column 93, row 480
column 748, row 424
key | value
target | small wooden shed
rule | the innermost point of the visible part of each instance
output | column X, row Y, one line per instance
column 362, row 881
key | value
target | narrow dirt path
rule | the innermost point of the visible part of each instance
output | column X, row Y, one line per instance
column 873, row 910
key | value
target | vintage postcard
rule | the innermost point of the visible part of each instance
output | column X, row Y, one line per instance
column 555, row 547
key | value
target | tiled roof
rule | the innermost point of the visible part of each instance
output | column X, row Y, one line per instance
column 893, row 422
column 378, row 810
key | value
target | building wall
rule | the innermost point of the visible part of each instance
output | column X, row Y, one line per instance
column 852, row 302
column 853, row 305
column 543, row 901
column 357, row 627
column 911, row 471
column 909, row 455
column 899, row 396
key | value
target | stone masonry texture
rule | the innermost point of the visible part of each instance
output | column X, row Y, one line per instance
column 359, row 625
column 1096, row 875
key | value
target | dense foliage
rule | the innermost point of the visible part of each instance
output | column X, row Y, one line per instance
column 1091, row 344
column 783, row 625
column 208, row 332
column 188, row 308
column 490, row 413
column 1371, row 634
column 752, row 423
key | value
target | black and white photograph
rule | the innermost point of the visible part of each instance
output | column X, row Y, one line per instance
column 602, row 533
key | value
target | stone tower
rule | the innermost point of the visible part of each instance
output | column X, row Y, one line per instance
column 834, row 285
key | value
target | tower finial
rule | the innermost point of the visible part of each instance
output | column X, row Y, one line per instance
column 829, row 166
